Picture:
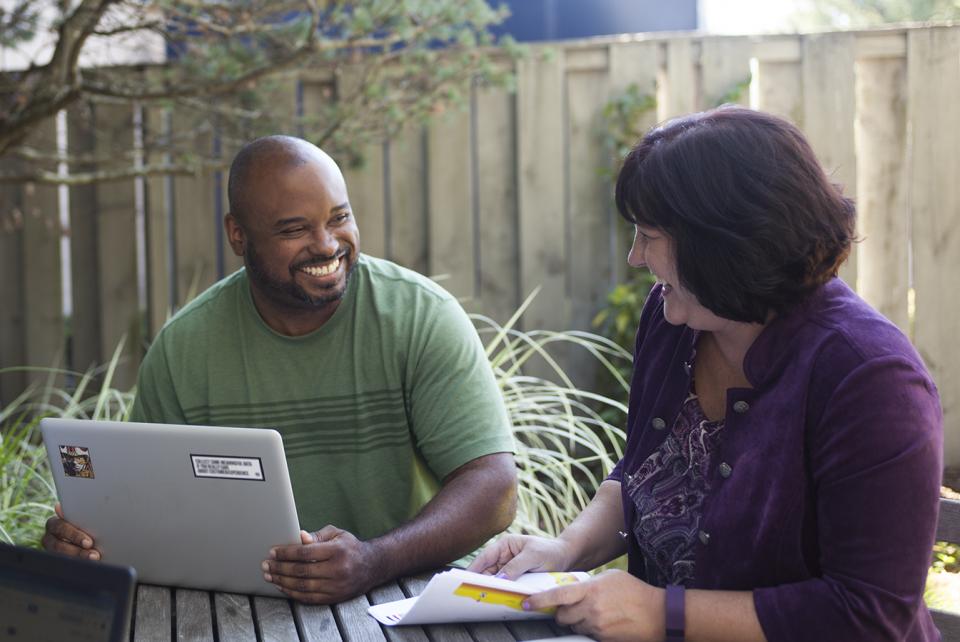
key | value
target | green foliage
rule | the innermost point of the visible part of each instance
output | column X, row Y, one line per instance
column 844, row 14
column 27, row 494
column 622, row 125
column 621, row 316
column 567, row 438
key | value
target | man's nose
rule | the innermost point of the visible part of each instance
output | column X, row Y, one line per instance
column 323, row 243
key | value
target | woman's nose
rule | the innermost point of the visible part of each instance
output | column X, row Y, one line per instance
column 635, row 258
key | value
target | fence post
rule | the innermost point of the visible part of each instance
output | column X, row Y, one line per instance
column 880, row 133
column 933, row 89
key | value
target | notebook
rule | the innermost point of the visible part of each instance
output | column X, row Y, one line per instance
column 49, row 597
column 186, row 506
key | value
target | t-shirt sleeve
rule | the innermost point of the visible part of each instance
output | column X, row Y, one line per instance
column 875, row 458
column 156, row 400
column 457, row 409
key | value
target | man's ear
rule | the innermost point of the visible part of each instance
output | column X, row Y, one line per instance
column 236, row 235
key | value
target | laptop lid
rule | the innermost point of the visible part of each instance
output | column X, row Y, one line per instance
column 50, row 597
column 188, row 506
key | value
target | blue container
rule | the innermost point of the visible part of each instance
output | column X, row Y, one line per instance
column 532, row 20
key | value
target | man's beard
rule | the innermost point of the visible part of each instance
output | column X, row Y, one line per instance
column 289, row 293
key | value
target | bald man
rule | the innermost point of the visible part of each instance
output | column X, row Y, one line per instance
column 397, row 440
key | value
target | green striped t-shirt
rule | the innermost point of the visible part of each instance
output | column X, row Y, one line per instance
column 375, row 407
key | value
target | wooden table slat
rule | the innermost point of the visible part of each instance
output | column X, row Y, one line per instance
column 152, row 623
column 316, row 623
column 194, row 621
column 531, row 629
column 234, row 617
column 274, row 619
column 362, row 627
column 392, row 592
column 490, row 632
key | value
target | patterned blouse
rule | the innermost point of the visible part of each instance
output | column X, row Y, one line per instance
column 668, row 490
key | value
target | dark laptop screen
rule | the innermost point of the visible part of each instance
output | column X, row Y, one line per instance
column 49, row 597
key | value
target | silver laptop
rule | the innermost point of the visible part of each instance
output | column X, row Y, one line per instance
column 188, row 506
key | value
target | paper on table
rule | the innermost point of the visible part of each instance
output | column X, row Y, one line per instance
column 461, row 596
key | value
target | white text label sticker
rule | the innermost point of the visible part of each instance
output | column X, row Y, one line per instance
column 227, row 467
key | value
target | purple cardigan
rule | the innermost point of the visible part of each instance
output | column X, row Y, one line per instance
column 825, row 485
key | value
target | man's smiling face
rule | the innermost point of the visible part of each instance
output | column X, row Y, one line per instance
column 297, row 234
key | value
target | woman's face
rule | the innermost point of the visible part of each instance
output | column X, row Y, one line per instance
column 655, row 250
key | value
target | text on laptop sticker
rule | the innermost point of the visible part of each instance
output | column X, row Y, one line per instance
column 227, row 467
column 76, row 461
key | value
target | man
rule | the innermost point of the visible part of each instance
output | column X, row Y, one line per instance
column 395, row 432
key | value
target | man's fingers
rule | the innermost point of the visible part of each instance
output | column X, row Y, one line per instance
column 296, row 570
column 56, row 545
column 58, row 510
column 67, row 532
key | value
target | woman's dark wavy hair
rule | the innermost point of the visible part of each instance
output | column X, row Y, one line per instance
column 756, row 223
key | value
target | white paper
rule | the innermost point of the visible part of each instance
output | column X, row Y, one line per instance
column 449, row 597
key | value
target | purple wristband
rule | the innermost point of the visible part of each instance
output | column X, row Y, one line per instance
column 675, row 613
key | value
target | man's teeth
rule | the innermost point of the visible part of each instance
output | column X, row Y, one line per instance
column 322, row 270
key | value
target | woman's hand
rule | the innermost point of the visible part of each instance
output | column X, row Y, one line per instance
column 614, row 605
column 514, row 555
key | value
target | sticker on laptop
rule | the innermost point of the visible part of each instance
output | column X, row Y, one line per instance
column 76, row 461
column 220, row 467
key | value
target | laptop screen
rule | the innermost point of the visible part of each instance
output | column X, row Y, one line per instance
column 50, row 597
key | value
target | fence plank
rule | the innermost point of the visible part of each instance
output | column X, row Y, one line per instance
column 725, row 71
column 195, row 220
column 934, row 120
column 85, row 348
column 497, row 203
column 159, row 224
column 12, row 312
column 829, row 112
column 408, row 192
column 450, row 203
column 679, row 93
column 881, row 133
column 630, row 63
column 540, row 159
column 42, row 290
column 117, row 248
column 777, row 84
column 590, row 261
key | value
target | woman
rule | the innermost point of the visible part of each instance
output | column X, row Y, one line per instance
column 784, row 442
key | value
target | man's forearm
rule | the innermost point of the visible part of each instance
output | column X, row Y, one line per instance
column 477, row 501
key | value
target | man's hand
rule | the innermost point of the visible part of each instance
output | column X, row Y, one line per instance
column 611, row 606
column 63, row 537
column 328, row 566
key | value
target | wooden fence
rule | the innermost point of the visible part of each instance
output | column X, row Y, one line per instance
column 507, row 195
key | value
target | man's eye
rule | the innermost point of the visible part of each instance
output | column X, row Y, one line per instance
column 291, row 231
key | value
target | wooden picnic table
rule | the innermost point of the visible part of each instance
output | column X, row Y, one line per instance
column 164, row 613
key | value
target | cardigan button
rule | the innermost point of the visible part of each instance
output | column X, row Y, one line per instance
column 725, row 470
column 741, row 407
column 658, row 423
column 704, row 537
